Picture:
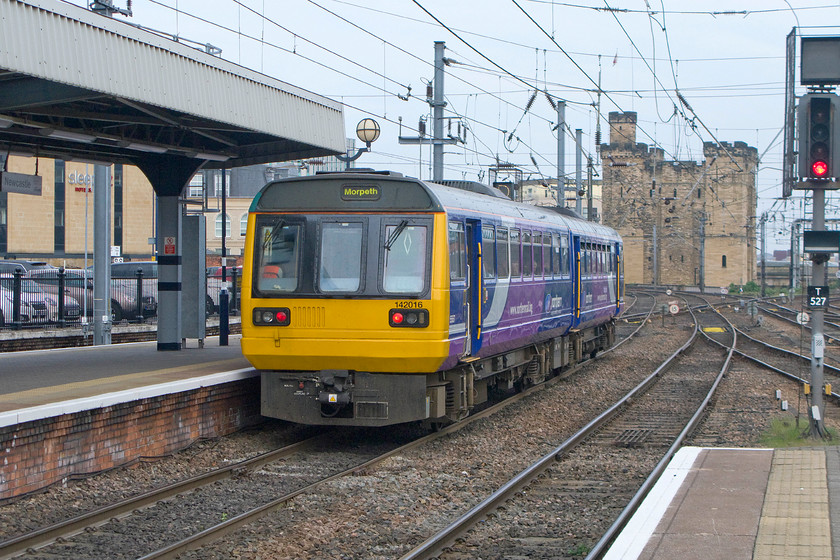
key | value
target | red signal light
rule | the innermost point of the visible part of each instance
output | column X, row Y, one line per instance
column 819, row 168
column 281, row 316
column 397, row 318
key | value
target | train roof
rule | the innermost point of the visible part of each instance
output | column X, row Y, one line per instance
column 388, row 191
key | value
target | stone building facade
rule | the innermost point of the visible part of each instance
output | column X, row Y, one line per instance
column 673, row 214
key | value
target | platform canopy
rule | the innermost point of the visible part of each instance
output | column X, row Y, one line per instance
column 77, row 85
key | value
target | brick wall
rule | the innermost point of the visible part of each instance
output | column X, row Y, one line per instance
column 43, row 452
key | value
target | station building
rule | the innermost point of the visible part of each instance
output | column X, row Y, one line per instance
column 673, row 214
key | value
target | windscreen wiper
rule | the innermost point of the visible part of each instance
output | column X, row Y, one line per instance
column 275, row 232
column 395, row 234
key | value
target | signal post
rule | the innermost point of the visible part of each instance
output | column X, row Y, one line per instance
column 819, row 170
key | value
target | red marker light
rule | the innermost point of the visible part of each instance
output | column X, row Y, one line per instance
column 281, row 316
column 397, row 318
column 819, row 168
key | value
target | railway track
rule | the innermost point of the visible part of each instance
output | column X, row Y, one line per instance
column 126, row 529
column 639, row 433
column 778, row 353
column 789, row 315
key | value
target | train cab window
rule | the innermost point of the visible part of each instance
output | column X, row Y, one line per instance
column 340, row 267
column 405, row 259
column 515, row 254
column 527, row 256
column 488, row 252
column 502, row 253
column 537, row 252
column 277, row 254
column 457, row 251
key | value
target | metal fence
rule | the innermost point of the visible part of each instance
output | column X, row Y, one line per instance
column 58, row 297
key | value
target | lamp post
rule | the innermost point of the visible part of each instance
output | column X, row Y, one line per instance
column 367, row 131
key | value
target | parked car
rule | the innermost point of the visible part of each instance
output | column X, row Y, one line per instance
column 214, row 284
column 79, row 285
column 125, row 272
column 8, row 266
column 33, row 307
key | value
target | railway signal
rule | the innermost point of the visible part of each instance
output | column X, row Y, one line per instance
column 818, row 139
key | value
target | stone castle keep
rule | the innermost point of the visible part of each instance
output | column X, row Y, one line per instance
column 672, row 214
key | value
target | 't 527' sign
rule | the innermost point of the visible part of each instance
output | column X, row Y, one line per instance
column 817, row 297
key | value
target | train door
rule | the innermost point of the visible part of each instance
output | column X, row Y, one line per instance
column 474, row 288
column 619, row 277
column 577, row 286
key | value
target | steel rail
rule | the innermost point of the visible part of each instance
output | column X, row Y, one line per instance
column 67, row 529
column 792, row 376
column 444, row 538
column 226, row 527
column 793, row 321
column 625, row 515
column 70, row 527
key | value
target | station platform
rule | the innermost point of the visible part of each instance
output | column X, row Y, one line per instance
column 72, row 412
column 734, row 504
column 42, row 384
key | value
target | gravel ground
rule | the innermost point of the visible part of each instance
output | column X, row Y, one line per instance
column 386, row 511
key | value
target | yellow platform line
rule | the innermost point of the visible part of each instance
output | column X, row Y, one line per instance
column 795, row 517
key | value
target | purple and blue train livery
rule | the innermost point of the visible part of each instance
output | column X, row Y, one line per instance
column 374, row 299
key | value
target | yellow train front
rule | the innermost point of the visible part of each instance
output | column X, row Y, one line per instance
column 343, row 298
column 372, row 299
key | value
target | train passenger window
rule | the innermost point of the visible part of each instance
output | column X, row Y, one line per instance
column 277, row 254
column 340, row 268
column 585, row 268
column 547, row 255
column 538, row 255
column 555, row 254
column 405, row 259
column 502, row 253
column 515, row 254
column 527, row 258
column 488, row 252
column 564, row 255
column 457, row 251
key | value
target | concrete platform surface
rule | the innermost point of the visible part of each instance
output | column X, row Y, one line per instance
column 738, row 504
column 45, row 383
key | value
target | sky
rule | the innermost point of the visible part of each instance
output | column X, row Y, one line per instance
column 725, row 58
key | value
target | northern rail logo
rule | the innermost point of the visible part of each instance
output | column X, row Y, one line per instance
column 360, row 193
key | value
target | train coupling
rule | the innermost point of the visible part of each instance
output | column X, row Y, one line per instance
column 335, row 387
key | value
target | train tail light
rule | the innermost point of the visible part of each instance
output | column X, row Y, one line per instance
column 272, row 316
column 413, row 318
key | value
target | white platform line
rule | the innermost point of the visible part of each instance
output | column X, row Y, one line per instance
column 636, row 534
column 119, row 397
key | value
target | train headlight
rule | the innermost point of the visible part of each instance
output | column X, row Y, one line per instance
column 416, row 318
column 272, row 317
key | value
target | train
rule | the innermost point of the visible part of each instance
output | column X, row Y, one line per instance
column 370, row 298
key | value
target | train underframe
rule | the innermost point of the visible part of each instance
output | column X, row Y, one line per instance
column 354, row 398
